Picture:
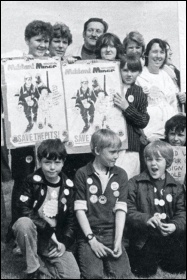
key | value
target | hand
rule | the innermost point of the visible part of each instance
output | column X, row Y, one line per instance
column 117, row 250
column 121, row 102
column 71, row 60
column 154, row 222
column 167, row 229
column 146, row 90
column 28, row 57
column 20, row 108
column 99, row 249
column 57, row 251
column 182, row 97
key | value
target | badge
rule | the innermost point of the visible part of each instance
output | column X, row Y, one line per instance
column 35, row 203
column 65, row 207
column 24, row 198
column 54, row 194
column 69, row 183
column 29, row 159
column 64, row 200
column 89, row 181
column 93, row 189
column 116, row 194
column 169, row 198
column 155, row 190
column 163, row 216
column 42, row 192
column 162, row 192
column 114, row 186
column 157, row 215
column 51, row 208
column 66, row 192
column 156, row 201
column 161, row 202
column 37, row 178
column 93, row 199
column 131, row 98
column 103, row 199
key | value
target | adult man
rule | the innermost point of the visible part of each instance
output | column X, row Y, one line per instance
column 93, row 29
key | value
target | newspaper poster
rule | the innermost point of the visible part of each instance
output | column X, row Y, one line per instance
column 178, row 168
column 33, row 98
column 89, row 92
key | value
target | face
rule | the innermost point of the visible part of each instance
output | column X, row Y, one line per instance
column 58, row 46
column 51, row 168
column 156, row 56
column 38, row 45
column 93, row 32
column 128, row 77
column 156, row 166
column 108, row 156
column 28, row 81
column 134, row 48
column 169, row 56
column 108, row 52
column 84, row 85
column 177, row 138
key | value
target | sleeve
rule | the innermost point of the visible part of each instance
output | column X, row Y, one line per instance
column 121, row 203
column 80, row 195
column 137, row 115
column 21, row 100
column 136, row 219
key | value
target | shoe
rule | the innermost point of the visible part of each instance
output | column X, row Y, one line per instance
column 85, row 129
column 29, row 127
column 50, row 125
column 34, row 275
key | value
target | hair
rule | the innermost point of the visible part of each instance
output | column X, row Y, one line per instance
column 157, row 148
column 105, row 24
column 133, row 63
column 104, row 138
column 106, row 40
column 38, row 27
column 63, row 31
column 52, row 149
column 162, row 45
column 177, row 123
column 136, row 37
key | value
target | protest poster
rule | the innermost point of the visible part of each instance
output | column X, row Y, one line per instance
column 33, row 99
column 178, row 168
column 89, row 91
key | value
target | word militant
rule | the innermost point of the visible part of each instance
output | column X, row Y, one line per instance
column 178, row 168
column 35, row 137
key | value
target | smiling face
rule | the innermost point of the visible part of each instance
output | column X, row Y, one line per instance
column 156, row 166
column 51, row 168
column 93, row 32
column 58, row 46
column 128, row 77
column 134, row 48
column 156, row 57
column 38, row 45
column 177, row 138
column 108, row 156
column 108, row 52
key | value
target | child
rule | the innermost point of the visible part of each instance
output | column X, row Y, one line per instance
column 134, row 104
column 46, row 226
column 175, row 130
column 156, row 215
column 101, row 209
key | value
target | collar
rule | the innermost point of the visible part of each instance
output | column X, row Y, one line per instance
column 90, row 169
column 146, row 177
column 87, row 51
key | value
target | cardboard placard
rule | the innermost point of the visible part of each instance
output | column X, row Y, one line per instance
column 178, row 168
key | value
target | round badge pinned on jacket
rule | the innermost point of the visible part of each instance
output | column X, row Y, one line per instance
column 163, row 216
column 89, row 181
column 131, row 98
column 114, row 186
column 161, row 202
column 66, row 192
column 102, row 199
column 169, row 198
column 42, row 192
column 64, row 200
column 29, row 159
column 65, row 207
column 37, row 178
column 69, row 183
column 156, row 201
column 93, row 199
column 116, row 193
column 93, row 189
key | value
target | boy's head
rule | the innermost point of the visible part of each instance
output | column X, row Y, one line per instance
column 158, row 157
column 175, row 130
column 131, row 67
column 51, row 155
column 105, row 145
column 45, row 91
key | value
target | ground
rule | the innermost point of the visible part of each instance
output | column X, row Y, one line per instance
column 12, row 267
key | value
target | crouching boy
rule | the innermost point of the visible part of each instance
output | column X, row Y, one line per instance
column 156, row 215
column 101, row 207
column 46, row 226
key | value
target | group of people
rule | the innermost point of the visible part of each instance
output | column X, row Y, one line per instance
column 89, row 205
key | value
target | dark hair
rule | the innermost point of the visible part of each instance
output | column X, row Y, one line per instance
column 162, row 45
column 136, row 37
column 38, row 27
column 106, row 40
column 133, row 63
column 52, row 149
column 96, row 20
column 177, row 122
column 63, row 31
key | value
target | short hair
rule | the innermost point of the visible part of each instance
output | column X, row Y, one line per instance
column 105, row 24
column 132, row 61
column 136, row 37
column 63, row 31
column 106, row 40
column 177, row 123
column 105, row 138
column 162, row 45
column 157, row 148
column 38, row 27
column 52, row 149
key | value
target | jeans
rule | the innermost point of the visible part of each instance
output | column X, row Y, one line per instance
column 31, row 245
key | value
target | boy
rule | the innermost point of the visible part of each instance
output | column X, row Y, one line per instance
column 175, row 130
column 156, row 215
column 101, row 209
column 46, row 225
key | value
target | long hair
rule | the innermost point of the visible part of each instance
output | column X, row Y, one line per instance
column 162, row 45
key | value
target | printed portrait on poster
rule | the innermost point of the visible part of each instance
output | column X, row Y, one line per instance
column 34, row 101
column 89, row 93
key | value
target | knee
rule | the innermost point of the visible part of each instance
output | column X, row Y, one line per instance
column 23, row 225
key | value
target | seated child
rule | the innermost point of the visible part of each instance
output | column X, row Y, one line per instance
column 101, row 208
column 175, row 130
column 46, row 227
column 133, row 104
column 156, row 215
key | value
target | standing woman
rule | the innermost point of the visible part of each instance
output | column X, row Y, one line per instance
column 159, row 87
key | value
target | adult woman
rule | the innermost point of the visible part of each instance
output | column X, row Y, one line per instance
column 161, row 91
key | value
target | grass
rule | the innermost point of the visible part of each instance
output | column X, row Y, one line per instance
column 13, row 267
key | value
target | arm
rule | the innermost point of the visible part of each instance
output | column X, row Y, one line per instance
column 119, row 228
